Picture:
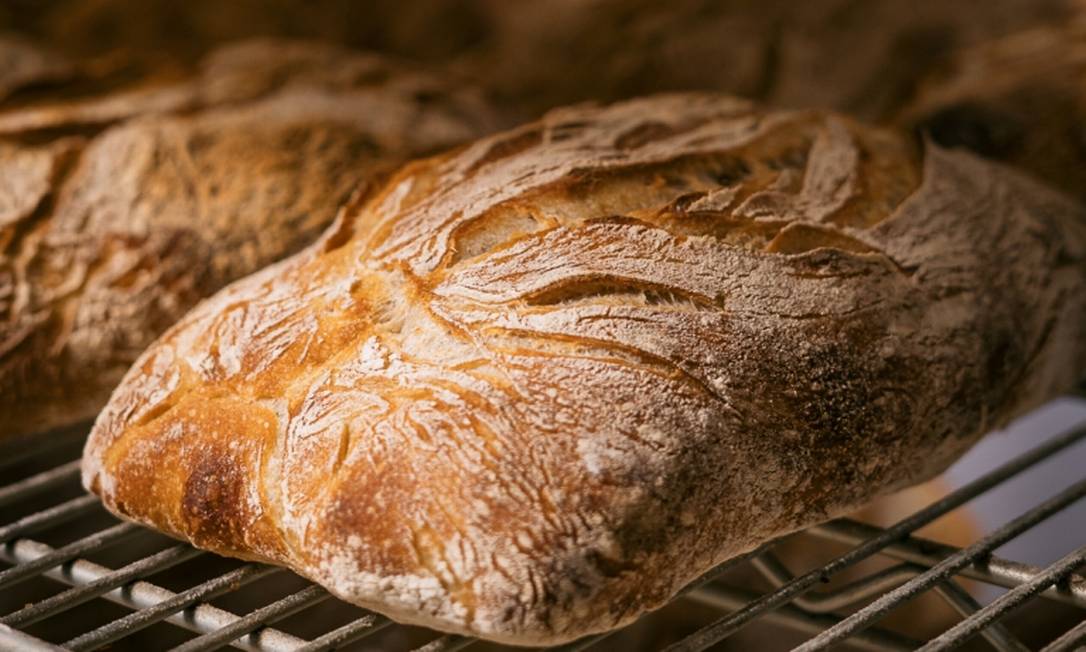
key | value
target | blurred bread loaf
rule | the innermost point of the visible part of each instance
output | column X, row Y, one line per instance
column 1020, row 99
column 120, row 210
column 864, row 57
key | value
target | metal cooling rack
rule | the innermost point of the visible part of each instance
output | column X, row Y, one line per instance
column 74, row 578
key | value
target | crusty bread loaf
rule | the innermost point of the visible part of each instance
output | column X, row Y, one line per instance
column 118, row 212
column 1020, row 99
column 530, row 388
column 863, row 57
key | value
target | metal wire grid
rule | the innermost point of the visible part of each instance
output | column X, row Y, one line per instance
column 845, row 615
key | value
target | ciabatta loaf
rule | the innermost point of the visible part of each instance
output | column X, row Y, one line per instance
column 529, row 389
column 119, row 211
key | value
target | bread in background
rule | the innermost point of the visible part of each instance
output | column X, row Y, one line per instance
column 120, row 210
column 863, row 57
column 1020, row 100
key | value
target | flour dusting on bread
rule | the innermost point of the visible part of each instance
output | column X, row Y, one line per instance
column 530, row 388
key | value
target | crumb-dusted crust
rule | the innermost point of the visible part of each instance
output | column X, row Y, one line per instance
column 530, row 388
column 120, row 210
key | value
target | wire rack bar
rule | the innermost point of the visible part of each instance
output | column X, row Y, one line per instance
column 47, row 518
column 349, row 633
column 1010, row 600
column 277, row 610
column 857, row 591
column 926, row 567
column 996, row 634
column 726, row 625
column 706, row 578
column 139, row 595
column 729, row 598
column 876, row 584
column 925, row 552
column 945, row 569
column 77, row 595
column 872, row 640
column 54, row 477
column 1075, row 639
column 96, row 541
column 177, row 603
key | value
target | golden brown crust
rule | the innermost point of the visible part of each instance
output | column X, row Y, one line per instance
column 1021, row 100
column 118, row 212
column 532, row 387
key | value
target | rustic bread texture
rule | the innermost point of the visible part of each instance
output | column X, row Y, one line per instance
column 860, row 56
column 119, row 212
column 1021, row 100
column 529, row 389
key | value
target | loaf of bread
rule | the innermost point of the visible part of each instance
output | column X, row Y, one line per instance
column 118, row 212
column 1020, row 100
column 863, row 57
column 528, row 389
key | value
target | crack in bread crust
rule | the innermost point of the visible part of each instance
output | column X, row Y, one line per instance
column 543, row 381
